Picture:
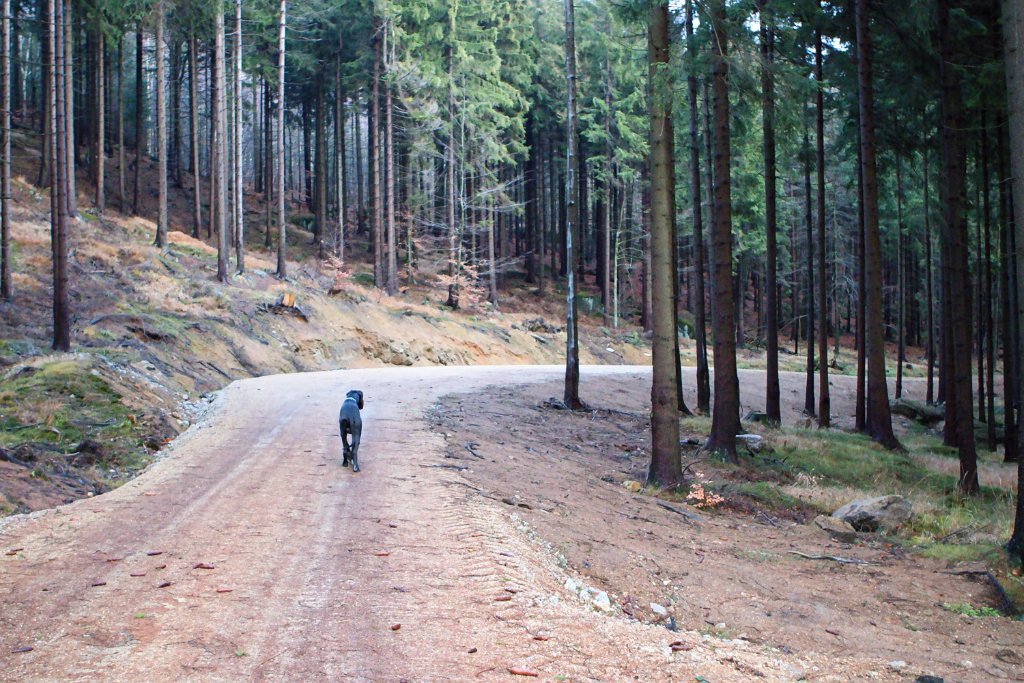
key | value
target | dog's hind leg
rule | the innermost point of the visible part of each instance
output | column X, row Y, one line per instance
column 345, row 448
column 355, row 451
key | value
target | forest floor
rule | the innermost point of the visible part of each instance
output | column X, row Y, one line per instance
column 486, row 535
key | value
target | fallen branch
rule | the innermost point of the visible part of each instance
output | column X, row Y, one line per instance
column 689, row 516
column 833, row 558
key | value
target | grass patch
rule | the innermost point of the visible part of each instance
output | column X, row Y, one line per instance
column 63, row 402
column 969, row 610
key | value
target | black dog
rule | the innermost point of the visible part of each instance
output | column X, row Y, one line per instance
column 351, row 423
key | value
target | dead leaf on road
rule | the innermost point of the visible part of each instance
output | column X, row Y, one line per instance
column 516, row 671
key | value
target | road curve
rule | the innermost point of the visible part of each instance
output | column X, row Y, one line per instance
column 248, row 553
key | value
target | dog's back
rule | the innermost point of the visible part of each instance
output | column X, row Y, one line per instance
column 351, row 424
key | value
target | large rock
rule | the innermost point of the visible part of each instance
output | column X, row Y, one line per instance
column 872, row 514
column 838, row 529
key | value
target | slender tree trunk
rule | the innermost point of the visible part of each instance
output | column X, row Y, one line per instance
column 58, row 165
column 121, row 193
column 340, row 152
column 69, row 112
column 810, row 407
column 220, row 167
column 1013, row 46
column 725, row 416
column 100, row 142
column 320, row 167
column 174, row 158
column 1007, row 294
column 860, row 398
column 193, row 100
column 282, row 241
column 879, row 419
column 268, row 166
column 237, row 165
column 161, row 127
column 6, row 286
column 901, row 332
column 45, row 104
column 986, row 311
column 360, row 172
column 958, row 325
column 700, row 314
column 824, row 406
column 139, row 109
column 604, row 268
column 571, row 396
column 773, row 410
column 375, row 163
column 392, row 184
column 930, row 395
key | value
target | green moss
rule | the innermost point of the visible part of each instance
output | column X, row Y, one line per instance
column 62, row 403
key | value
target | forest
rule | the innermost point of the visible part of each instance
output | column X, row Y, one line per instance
column 838, row 186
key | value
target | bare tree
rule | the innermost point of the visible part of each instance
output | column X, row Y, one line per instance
column 220, row 166
column 878, row 419
column 58, row 186
column 193, row 101
column 665, row 465
column 237, row 164
column 571, row 395
column 725, row 415
column 6, row 287
column 161, row 129
column 282, row 234
column 99, row 169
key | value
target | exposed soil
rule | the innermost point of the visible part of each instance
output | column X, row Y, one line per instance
column 248, row 553
column 732, row 574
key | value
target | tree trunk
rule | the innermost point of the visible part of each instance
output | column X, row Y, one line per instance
column 121, row 193
column 879, row 419
column 69, row 113
column 237, row 165
column 725, row 416
column 930, row 395
column 700, row 314
column 860, row 400
column 340, row 153
column 58, row 165
column 824, row 407
column 375, row 166
column 389, row 154
column 6, row 286
column 1013, row 45
column 139, row 109
column 220, row 168
column 810, row 407
column 772, row 408
column 571, row 396
column 320, row 167
column 282, row 232
column 1007, row 294
column 901, row 333
column 958, row 325
column 100, row 154
column 161, row 127
column 193, row 100
column 665, row 465
column 986, row 289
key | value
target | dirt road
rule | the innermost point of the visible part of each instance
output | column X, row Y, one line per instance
column 248, row 553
